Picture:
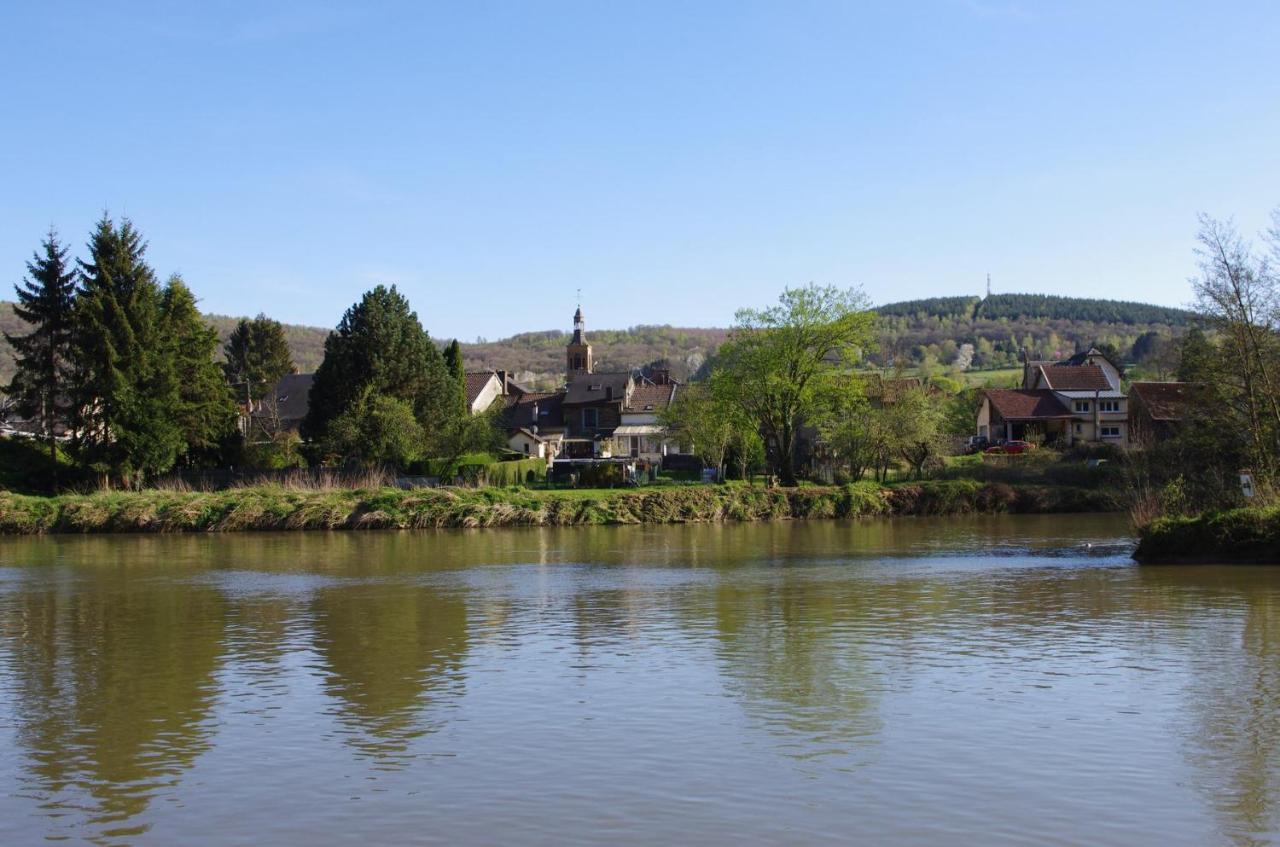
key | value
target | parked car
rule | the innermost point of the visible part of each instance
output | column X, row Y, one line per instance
column 977, row 443
column 1011, row 448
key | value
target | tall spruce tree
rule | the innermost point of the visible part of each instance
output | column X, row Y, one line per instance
column 257, row 356
column 126, row 384
column 379, row 348
column 204, row 411
column 40, row 387
column 457, row 373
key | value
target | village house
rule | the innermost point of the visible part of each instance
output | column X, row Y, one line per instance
column 1075, row 400
column 1158, row 409
column 281, row 408
column 484, row 388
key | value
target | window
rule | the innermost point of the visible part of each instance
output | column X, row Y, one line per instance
column 1082, row 406
column 1108, row 405
column 526, row 448
column 590, row 418
column 1111, row 432
column 1079, row 429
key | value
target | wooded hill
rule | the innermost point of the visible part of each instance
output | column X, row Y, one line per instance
column 918, row 332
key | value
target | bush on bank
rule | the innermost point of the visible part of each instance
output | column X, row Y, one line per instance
column 1246, row 535
column 275, row 508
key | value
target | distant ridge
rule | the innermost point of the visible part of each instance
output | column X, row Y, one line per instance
column 912, row 332
column 1047, row 306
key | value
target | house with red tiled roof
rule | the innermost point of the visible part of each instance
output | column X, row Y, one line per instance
column 1009, row 414
column 1088, row 385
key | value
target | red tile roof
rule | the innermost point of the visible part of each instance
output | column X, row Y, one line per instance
column 650, row 398
column 1075, row 377
column 1165, row 401
column 1022, row 404
column 476, row 381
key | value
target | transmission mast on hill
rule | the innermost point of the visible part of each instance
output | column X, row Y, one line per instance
column 988, row 285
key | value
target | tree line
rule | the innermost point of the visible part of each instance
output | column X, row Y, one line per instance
column 118, row 374
column 1232, row 424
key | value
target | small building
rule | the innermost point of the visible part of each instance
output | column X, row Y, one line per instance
column 535, row 424
column 1014, row 413
column 1157, row 410
column 484, row 388
column 282, row 408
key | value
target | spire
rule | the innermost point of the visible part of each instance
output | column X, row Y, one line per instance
column 578, row 352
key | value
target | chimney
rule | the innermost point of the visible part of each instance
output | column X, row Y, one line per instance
column 505, row 379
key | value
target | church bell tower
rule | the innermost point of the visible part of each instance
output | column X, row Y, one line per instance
column 578, row 353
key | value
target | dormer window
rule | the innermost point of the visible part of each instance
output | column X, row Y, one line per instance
column 608, row 392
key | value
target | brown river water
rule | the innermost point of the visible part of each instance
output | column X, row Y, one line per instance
column 976, row 681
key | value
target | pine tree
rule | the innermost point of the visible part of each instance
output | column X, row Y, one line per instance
column 257, row 357
column 45, row 301
column 381, row 347
column 205, row 410
column 457, row 372
column 126, row 385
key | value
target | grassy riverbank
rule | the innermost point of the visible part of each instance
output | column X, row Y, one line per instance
column 273, row 508
column 1249, row 535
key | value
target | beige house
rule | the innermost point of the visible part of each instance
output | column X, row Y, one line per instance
column 1071, row 401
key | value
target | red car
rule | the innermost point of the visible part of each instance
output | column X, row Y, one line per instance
column 1011, row 448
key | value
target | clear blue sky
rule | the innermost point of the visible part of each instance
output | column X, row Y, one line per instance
column 672, row 160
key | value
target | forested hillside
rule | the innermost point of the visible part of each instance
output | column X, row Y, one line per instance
column 933, row 333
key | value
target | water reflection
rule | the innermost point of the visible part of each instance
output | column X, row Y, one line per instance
column 387, row 652
column 113, row 688
column 991, row 680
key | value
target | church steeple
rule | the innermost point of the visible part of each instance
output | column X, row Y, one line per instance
column 578, row 353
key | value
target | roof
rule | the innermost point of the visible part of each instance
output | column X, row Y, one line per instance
column 647, row 397
column 593, row 388
column 1064, row 377
column 639, row 429
column 476, row 381
column 1024, row 404
column 1083, row 357
column 291, row 396
column 1165, row 401
column 550, row 414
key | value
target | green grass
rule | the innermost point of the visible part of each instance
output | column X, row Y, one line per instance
column 277, row 508
column 997, row 378
column 1245, row 535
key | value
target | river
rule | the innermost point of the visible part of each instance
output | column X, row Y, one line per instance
column 984, row 681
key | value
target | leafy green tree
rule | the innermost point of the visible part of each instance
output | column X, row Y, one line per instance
column 40, row 387
column 126, row 392
column 379, row 347
column 850, row 428
column 702, row 422
column 780, row 361
column 377, row 429
column 257, row 357
column 453, row 436
column 205, row 410
column 915, row 421
column 1239, row 294
column 457, row 372
column 1195, row 357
